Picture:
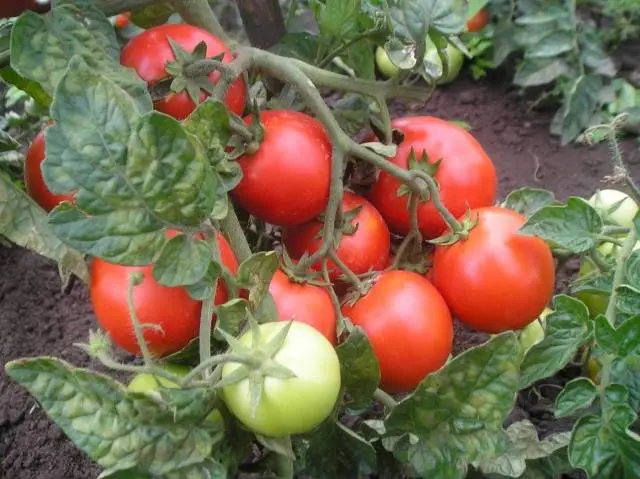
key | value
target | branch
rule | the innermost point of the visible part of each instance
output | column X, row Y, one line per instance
column 618, row 275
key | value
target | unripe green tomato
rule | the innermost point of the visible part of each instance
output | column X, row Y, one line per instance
column 455, row 59
column 603, row 200
column 385, row 65
column 293, row 405
column 594, row 370
column 533, row 333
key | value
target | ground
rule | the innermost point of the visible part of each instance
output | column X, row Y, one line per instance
column 37, row 318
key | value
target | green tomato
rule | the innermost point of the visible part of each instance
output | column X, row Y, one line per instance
column 533, row 333
column 385, row 65
column 294, row 405
column 605, row 200
column 455, row 59
column 143, row 383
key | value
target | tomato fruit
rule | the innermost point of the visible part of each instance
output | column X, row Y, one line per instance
column 145, row 382
column 295, row 405
column 496, row 279
column 33, row 179
column 286, row 182
column 533, row 333
column 478, row 21
column 615, row 207
column 149, row 52
column 466, row 175
column 170, row 308
column 122, row 20
column 365, row 250
column 409, row 327
column 384, row 63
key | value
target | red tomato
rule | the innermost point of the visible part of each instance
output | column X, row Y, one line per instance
column 306, row 303
column 478, row 21
column 286, row 182
column 122, row 20
column 496, row 279
column 466, row 175
column 409, row 327
column 149, row 52
column 365, row 250
column 171, row 308
column 33, row 179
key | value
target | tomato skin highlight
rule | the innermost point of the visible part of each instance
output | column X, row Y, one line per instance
column 171, row 308
column 33, row 179
column 496, row 279
column 148, row 53
column 478, row 21
column 307, row 303
column 295, row 405
column 466, row 175
column 409, row 326
column 286, row 182
column 365, row 250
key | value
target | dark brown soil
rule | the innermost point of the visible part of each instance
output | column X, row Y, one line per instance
column 36, row 318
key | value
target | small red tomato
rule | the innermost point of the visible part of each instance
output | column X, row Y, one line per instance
column 478, row 21
column 149, row 52
column 170, row 308
column 122, row 20
column 286, row 182
column 365, row 250
column 466, row 175
column 306, row 303
column 33, row 179
column 496, row 279
column 409, row 327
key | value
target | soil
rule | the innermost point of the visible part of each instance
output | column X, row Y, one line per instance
column 38, row 318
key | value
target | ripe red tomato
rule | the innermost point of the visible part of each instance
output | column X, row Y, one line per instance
column 306, row 303
column 286, row 182
column 33, row 179
column 466, row 175
column 149, row 52
column 478, row 21
column 409, row 327
column 171, row 308
column 122, row 20
column 365, row 250
column 496, row 279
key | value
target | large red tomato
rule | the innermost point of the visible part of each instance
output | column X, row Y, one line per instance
column 33, row 179
column 365, row 250
column 306, row 303
column 409, row 327
column 496, row 279
column 149, row 52
column 466, row 175
column 171, row 308
column 286, row 182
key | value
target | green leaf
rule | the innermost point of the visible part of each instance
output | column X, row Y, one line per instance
column 552, row 466
column 33, row 89
column 416, row 18
column 593, row 53
column 182, row 261
column 457, row 413
column 632, row 270
column 25, row 223
column 580, row 103
column 333, row 450
column 255, row 274
column 360, row 372
column 134, row 175
column 209, row 122
column 574, row 226
column 152, row 15
column 621, row 341
column 7, row 142
column 503, row 44
column 338, row 18
column 232, row 315
column 540, row 71
column 568, row 327
column 626, row 372
column 577, row 394
column 524, row 445
column 628, row 299
column 552, row 45
column 606, row 449
column 527, row 200
column 117, row 429
column 301, row 45
column 548, row 15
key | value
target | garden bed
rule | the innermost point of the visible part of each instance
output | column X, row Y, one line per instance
column 37, row 318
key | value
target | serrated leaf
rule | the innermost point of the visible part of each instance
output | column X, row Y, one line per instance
column 552, row 45
column 574, row 226
column 97, row 23
column 360, row 371
column 524, row 445
column 338, row 18
column 577, row 394
column 416, row 17
column 457, row 413
column 182, row 261
column 593, row 53
column 25, row 223
column 626, row 371
column 580, row 103
column 255, row 274
column 503, row 44
column 552, row 466
column 209, row 122
column 632, row 270
column 567, row 329
column 621, row 341
column 527, row 200
column 116, row 428
column 232, row 315
column 540, row 71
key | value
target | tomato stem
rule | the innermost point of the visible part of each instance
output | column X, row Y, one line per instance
column 385, row 399
column 351, row 276
column 599, row 261
column 220, row 359
column 434, row 195
column 332, row 293
column 610, row 239
column 232, row 227
column 137, row 327
column 618, row 275
column 414, row 237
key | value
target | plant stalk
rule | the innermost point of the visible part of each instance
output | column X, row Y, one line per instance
column 137, row 327
column 618, row 275
column 384, row 399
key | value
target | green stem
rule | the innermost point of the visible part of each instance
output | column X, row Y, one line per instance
column 618, row 275
column 284, row 467
column 199, row 13
column 134, row 280
column 334, row 297
column 216, row 360
column 615, row 230
column 599, row 261
column 619, row 163
column 206, row 316
column 385, row 116
column 232, row 227
column 414, row 233
column 342, row 48
column 434, row 193
column 291, row 12
column 384, row 399
column 610, row 239
column 351, row 276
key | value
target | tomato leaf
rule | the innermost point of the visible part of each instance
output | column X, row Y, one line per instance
column 456, row 413
column 32, row 88
column 337, row 18
column 152, row 15
column 581, row 101
column 360, row 371
column 527, row 200
column 552, row 45
column 540, row 71
column 626, row 372
column 182, row 261
column 568, row 327
column 577, row 394
column 116, row 428
column 554, row 465
column 524, row 445
column 632, row 270
column 25, row 223
column 621, row 341
column 255, row 274
column 574, row 226
column 333, row 450
column 232, row 315
column 417, row 17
